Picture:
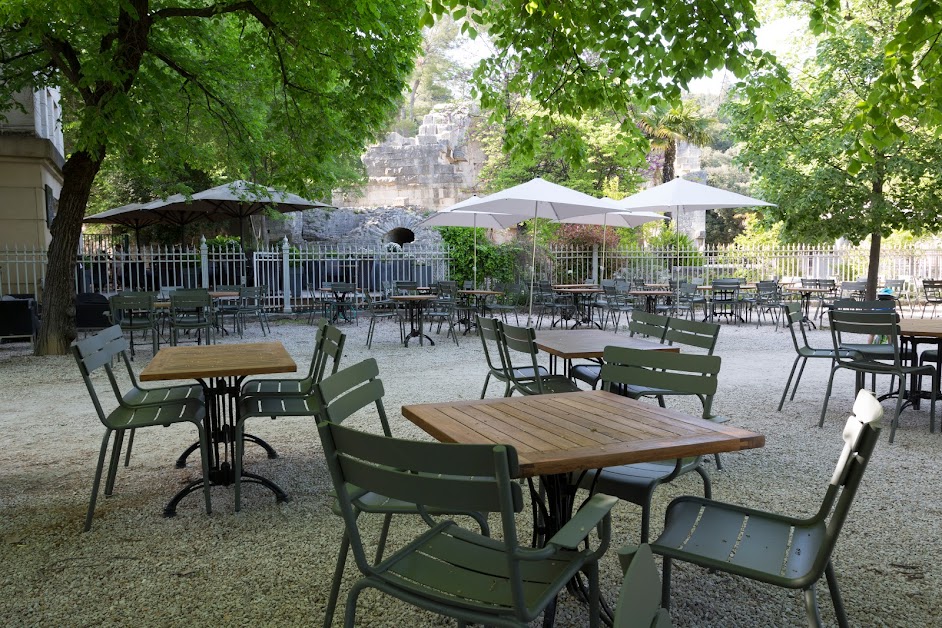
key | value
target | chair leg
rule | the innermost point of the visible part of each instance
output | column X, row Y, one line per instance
column 835, row 595
column 338, row 577
column 383, row 535
column 901, row 394
column 127, row 454
column 811, row 608
column 827, row 395
column 239, row 443
column 798, row 379
column 97, row 482
column 487, row 378
column 666, row 584
column 592, row 575
column 788, row 383
column 707, row 484
column 113, row 464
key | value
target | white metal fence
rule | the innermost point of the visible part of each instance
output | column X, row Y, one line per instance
column 577, row 264
column 292, row 277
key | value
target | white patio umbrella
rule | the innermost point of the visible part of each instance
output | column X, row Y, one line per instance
column 677, row 195
column 452, row 217
column 614, row 219
column 537, row 198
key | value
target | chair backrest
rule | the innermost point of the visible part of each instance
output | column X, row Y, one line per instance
column 520, row 343
column 435, row 476
column 692, row 333
column 645, row 324
column 794, row 317
column 189, row 302
column 345, row 392
column 405, row 287
column 490, row 340
column 639, row 599
column 851, row 289
column 98, row 351
column 681, row 373
column 932, row 288
column 250, row 296
column 328, row 345
column 854, row 327
column 898, row 286
column 127, row 306
column 860, row 435
column 884, row 305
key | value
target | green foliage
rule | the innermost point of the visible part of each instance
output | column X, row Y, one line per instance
column 222, row 241
column 608, row 162
column 666, row 125
column 802, row 142
column 582, row 56
column 906, row 84
column 496, row 261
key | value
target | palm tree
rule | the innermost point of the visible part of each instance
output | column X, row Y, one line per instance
column 665, row 126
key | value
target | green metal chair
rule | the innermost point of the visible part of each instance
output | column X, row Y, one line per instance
column 698, row 334
column 641, row 323
column 639, row 599
column 379, row 310
column 849, row 329
column 520, row 342
column 638, row 370
column 328, row 349
column 134, row 311
column 784, row 551
column 250, row 304
column 449, row 569
column 490, row 339
column 792, row 314
column 191, row 310
column 98, row 352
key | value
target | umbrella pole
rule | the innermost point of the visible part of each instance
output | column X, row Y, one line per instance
column 604, row 233
column 475, row 227
column 532, row 269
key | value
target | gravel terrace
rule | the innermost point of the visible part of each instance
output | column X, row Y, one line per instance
column 271, row 564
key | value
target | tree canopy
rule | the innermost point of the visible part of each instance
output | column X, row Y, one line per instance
column 278, row 90
column 801, row 139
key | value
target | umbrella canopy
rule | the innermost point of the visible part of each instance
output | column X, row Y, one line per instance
column 615, row 219
column 238, row 199
column 137, row 216
column 681, row 193
column 536, row 198
column 455, row 216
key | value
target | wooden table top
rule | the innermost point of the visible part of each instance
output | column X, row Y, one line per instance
column 481, row 293
column 197, row 361
column 583, row 290
column 560, row 286
column 569, row 432
column 925, row 327
column 413, row 297
column 642, row 293
column 591, row 343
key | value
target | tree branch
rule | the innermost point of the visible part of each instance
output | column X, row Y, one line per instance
column 219, row 9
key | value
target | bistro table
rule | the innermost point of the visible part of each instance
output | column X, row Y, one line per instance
column 480, row 303
column 650, row 297
column 589, row 344
column 806, row 293
column 581, row 296
column 220, row 369
column 415, row 303
column 916, row 331
column 560, row 436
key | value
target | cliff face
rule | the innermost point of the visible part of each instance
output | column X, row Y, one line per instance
column 433, row 170
column 407, row 178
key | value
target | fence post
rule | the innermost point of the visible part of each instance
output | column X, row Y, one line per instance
column 204, row 262
column 286, row 274
column 595, row 264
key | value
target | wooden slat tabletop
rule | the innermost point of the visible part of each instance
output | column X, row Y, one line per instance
column 197, row 361
column 590, row 343
column 924, row 327
column 570, row 432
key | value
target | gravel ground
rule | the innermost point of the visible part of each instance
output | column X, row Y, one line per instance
column 271, row 564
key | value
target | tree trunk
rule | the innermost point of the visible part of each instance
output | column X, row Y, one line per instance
column 58, row 318
column 874, row 270
column 670, row 155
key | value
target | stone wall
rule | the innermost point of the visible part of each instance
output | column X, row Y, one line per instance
column 349, row 224
column 437, row 168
